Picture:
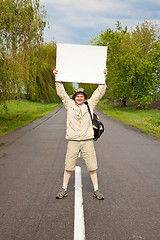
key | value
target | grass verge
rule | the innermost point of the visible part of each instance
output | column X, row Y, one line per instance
column 147, row 120
column 22, row 112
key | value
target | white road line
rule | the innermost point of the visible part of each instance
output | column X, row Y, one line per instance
column 79, row 227
column 79, row 155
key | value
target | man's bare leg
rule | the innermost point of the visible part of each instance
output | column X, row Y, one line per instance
column 63, row 191
column 66, row 177
column 94, row 178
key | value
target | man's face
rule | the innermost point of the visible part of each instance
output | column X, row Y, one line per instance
column 79, row 98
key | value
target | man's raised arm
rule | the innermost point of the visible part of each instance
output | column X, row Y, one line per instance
column 98, row 93
column 61, row 91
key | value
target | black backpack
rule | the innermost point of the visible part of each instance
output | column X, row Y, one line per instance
column 98, row 126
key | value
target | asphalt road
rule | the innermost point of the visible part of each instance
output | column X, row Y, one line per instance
column 31, row 170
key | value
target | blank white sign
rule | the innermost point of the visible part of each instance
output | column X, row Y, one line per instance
column 81, row 63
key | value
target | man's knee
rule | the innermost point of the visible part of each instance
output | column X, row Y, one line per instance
column 68, row 172
column 92, row 171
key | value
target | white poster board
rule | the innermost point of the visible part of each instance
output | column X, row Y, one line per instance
column 81, row 63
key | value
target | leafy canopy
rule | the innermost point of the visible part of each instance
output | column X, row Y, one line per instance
column 133, row 62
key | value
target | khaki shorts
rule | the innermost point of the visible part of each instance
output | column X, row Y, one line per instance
column 86, row 147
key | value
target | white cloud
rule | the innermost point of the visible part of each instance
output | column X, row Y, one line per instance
column 154, row 1
column 71, row 18
column 89, row 13
column 100, row 5
column 90, row 5
column 58, row 33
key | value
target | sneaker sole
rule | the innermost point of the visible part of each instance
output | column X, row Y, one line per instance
column 62, row 196
column 98, row 198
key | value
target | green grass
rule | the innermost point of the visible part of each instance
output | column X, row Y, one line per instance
column 22, row 112
column 148, row 120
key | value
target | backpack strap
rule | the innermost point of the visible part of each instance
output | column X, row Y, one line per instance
column 89, row 110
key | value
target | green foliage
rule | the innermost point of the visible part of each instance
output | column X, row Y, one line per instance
column 22, row 24
column 40, row 85
column 146, row 119
column 21, row 112
column 45, row 80
column 89, row 88
column 141, row 51
column 69, row 88
column 133, row 62
column 26, row 62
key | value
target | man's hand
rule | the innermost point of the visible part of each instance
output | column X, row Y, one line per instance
column 105, row 72
column 55, row 72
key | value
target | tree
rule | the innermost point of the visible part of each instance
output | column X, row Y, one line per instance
column 26, row 62
column 43, row 84
column 133, row 62
column 141, row 52
column 89, row 88
column 117, row 86
column 21, row 29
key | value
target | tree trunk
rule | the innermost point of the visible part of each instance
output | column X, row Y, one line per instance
column 124, row 103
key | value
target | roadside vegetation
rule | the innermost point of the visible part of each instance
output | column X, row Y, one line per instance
column 147, row 120
column 22, row 112
column 27, row 63
column 133, row 62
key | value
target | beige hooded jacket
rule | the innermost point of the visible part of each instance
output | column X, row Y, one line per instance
column 79, row 124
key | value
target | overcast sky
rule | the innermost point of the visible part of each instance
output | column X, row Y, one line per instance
column 76, row 21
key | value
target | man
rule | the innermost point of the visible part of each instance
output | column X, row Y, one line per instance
column 80, row 133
